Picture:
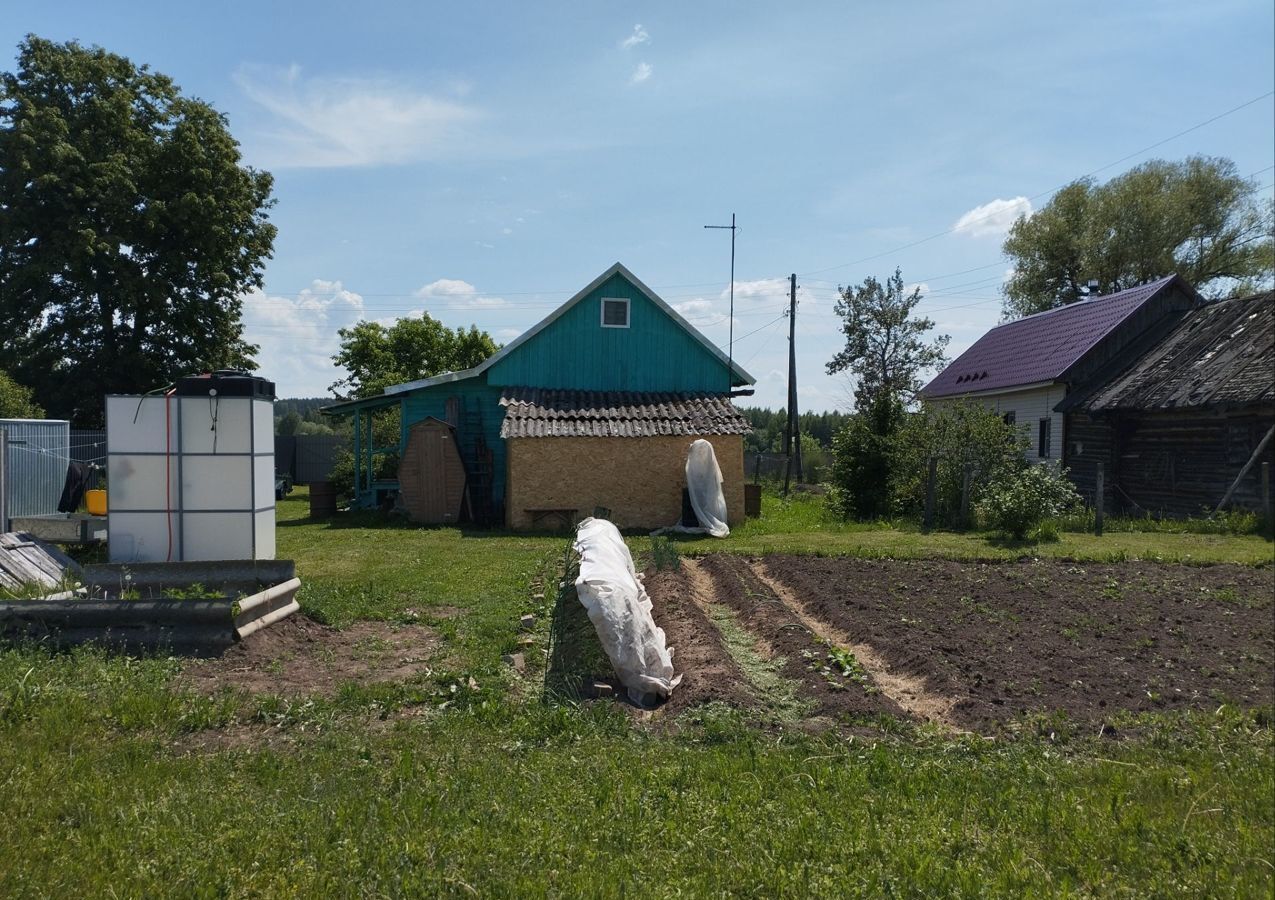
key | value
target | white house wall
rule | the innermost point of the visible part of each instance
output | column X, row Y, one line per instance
column 1028, row 407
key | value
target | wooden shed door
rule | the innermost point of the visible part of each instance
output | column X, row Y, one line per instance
column 431, row 474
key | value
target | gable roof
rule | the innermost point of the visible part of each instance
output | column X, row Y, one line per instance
column 736, row 370
column 1217, row 356
column 1040, row 348
column 542, row 412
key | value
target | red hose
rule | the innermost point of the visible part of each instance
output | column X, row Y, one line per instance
column 168, row 450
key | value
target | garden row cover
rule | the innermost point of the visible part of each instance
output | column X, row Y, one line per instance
column 612, row 593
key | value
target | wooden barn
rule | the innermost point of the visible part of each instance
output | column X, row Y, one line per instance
column 1173, row 395
column 594, row 407
column 1025, row 368
column 1186, row 421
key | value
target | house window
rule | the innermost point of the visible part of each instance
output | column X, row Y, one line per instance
column 615, row 313
column 1042, row 446
column 1009, row 418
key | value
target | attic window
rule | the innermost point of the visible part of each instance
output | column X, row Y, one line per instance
column 615, row 312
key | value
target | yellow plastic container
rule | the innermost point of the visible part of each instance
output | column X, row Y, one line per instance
column 96, row 502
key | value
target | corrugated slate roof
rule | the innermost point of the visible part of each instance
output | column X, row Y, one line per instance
column 1040, row 347
column 1219, row 355
column 542, row 412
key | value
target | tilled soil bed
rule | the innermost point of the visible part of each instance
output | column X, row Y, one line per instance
column 781, row 635
column 298, row 656
column 799, row 674
column 1007, row 639
column 708, row 672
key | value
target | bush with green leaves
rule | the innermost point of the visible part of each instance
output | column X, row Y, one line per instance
column 863, row 460
column 1020, row 501
column 17, row 401
column 959, row 435
column 880, row 459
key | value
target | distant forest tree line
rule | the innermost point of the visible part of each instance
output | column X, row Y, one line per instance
column 301, row 415
column 768, row 428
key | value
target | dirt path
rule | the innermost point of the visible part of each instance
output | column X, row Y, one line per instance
column 908, row 691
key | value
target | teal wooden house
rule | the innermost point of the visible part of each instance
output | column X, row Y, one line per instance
column 594, row 407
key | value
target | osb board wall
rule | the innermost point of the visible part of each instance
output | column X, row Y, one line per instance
column 639, row 479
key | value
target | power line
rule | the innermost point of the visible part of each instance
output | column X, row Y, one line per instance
column 1117, row 162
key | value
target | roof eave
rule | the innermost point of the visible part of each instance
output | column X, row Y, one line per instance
column 1007, row 389
column 346, row 407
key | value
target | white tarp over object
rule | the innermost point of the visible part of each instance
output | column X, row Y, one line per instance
column 612, row 593
column 704, row 484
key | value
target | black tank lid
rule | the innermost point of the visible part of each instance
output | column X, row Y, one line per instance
column 227, row 383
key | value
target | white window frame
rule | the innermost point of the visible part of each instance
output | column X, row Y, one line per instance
column 602, row 310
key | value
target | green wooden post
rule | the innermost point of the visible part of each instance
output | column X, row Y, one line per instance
column 358, row 452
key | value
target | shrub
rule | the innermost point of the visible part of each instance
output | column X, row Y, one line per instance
column 1019, row 501
column 959, row 434
column 342, row 474
column 17, row 401
column 863, row 460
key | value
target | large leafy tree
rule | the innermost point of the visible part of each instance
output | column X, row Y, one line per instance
column 128, row 229
column 16, row 401
column 376, row 356
column 1198, row 218
column 887, row 347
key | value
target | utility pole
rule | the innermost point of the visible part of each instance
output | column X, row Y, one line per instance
column 792, row 434
column 730, row 346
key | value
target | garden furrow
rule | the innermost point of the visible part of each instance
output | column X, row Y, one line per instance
column 908, row 691
column 833, row 685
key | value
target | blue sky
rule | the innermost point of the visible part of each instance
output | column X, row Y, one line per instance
column 483, row 161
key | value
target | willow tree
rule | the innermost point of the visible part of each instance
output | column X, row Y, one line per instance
column 129, row 230
column 1197, row 218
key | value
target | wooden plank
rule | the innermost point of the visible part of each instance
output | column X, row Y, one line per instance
column 21, row 571
column 42, row 562
column 26, row 560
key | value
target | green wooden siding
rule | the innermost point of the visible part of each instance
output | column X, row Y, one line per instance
column 478, row 396
column 654, row 353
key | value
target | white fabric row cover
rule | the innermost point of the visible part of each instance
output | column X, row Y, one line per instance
column 704, row 484
column 612, row 593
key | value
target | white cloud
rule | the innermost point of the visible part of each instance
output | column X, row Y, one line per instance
column 298, row 335
column 641, row 73
column 447, row 287
column 639, row 36
column 909, row 288
column 332, row 122
column 994, row 218
column 453, row 293
column 697, row 307
column 772, row 291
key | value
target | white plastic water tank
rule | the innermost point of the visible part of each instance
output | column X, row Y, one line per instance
column 190, row 473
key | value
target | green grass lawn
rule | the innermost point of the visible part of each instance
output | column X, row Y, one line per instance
column 463, row 782
column 800, row 525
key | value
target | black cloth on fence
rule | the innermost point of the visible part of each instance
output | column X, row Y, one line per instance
column 77, row 481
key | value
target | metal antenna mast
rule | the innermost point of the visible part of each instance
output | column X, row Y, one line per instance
column 730, row 347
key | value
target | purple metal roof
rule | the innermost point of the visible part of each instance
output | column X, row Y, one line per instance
column 1039, row 347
